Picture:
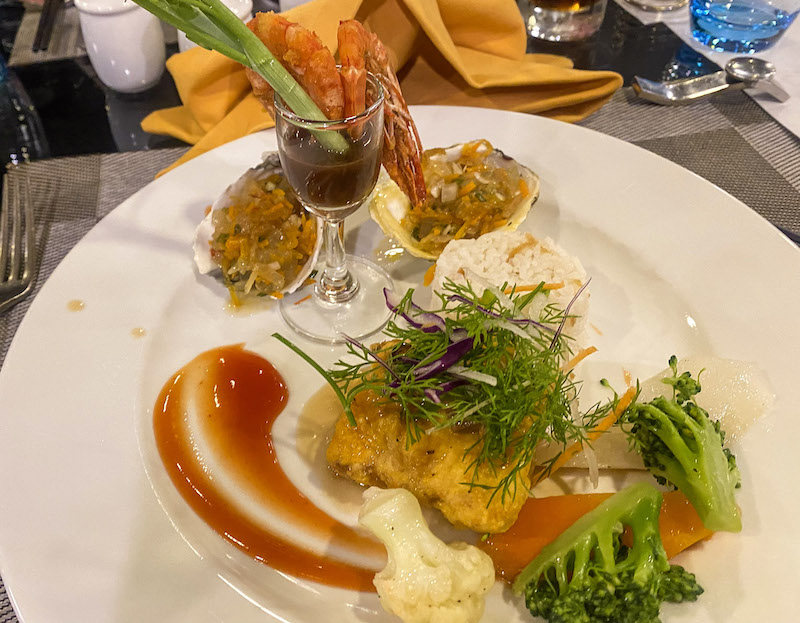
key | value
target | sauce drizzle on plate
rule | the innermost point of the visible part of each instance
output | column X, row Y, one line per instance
column 237, row 395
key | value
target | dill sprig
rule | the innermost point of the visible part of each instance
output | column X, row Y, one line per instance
column 532, row 399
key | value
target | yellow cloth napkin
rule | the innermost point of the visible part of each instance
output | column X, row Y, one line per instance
column 456, row 52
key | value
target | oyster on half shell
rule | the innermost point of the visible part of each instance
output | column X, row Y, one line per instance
column 473, row 189
column 258, row 235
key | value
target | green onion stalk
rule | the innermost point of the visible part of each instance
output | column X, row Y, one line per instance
column 212, row 25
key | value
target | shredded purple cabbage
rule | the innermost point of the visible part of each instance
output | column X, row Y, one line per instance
column 358, row 344
column 435, row 394
column 566, row 313
column 425, row 321
column 518, row 321
column 454, row 353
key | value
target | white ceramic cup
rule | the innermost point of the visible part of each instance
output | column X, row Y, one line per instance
column 243, row 9
column 285, row 5
column 125, row 43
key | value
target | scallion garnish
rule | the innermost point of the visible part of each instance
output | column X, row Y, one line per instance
column 212, row 25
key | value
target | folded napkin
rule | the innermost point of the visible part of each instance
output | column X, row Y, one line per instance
column 456, row 52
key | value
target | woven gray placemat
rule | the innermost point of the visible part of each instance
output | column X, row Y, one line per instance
column 66, row 41
column 729, row 140
column 70, row 195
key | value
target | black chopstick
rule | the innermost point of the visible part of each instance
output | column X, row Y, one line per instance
column 44, row 31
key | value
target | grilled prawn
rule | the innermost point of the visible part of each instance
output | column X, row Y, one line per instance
column 342, row 92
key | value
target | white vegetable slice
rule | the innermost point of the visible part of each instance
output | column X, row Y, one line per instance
column 425, row 580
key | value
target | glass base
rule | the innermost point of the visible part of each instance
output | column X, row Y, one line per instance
column 576, row 21
column 364, row 314
column 659, row 6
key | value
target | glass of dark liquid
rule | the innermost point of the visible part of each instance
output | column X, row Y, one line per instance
column 332, row 166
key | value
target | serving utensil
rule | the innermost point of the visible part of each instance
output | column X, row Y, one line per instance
column 17, row 243
column 742, row 72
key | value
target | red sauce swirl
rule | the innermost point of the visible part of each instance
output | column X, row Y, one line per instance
column 237, row 396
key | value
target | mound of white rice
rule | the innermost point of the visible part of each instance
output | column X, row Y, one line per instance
column 518, row 258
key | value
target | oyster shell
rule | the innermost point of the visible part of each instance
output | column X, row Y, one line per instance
column 507, row 187
column 282, row 263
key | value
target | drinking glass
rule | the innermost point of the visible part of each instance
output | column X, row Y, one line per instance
column 332, row 167
column 659, row 6
column 562, row 20
column 741, row 26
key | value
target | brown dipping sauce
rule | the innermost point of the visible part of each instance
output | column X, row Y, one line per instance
column 239, row 395
column 328, row 182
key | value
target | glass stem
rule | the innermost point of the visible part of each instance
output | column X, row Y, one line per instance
column 336, row 285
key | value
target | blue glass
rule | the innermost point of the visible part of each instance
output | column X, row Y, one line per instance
column 741, row 26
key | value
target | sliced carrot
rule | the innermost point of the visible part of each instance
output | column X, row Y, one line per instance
column 605, row 424
column 429, row 275
column 580, row 357
column 541, row 520
column 681, row 526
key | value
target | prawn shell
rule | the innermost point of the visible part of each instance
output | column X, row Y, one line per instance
column 270, row 165
column 388, row 205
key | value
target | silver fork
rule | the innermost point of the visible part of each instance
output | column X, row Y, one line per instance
column 17, row 241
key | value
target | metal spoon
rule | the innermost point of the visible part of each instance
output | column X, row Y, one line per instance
column 742, row 72
column 756, row 72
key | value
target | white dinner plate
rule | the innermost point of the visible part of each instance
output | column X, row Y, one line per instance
column 92, row 531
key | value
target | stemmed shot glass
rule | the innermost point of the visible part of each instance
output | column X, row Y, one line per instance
column 332, row 167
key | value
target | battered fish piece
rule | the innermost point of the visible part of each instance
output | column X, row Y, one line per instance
column 375, row 453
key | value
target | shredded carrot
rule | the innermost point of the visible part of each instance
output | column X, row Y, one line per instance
column 597, row 329
column 580, row 357
column 545, row 286
column 309, row 281
column 523, row 188
column 627, row 376
column 277, row 295
column 302, row 300
column 605, row 424
column 467, row 188
column 429, row 275
column 530, row 241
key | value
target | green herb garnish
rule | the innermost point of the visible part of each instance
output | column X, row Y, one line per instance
column 508, row 382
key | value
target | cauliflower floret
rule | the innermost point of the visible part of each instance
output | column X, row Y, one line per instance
column 425, row 580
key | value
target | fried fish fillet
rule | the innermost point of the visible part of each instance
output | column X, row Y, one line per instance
column 435, row 469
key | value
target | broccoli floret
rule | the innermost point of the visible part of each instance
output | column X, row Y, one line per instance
column 587, row 575
column 682, row 446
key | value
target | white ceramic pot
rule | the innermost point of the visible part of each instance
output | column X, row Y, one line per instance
column 125, row 43
column 285, row 5
column 243, row 9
